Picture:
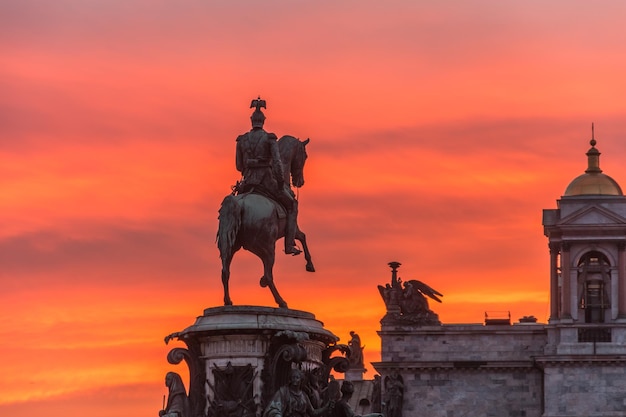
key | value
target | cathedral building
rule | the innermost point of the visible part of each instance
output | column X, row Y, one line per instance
column 575, row 365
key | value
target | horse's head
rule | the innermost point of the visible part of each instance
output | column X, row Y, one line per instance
column 293, row 155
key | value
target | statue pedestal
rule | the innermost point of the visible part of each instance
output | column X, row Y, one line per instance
column 238, row 356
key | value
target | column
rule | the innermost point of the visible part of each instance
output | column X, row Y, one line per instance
column 566, row 300
column 621, row 280
column 554, row 281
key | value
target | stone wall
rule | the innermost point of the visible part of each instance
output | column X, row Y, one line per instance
column 488, row 392
column 462, row 342
column 520, row 370
column 584, row 386
column 466, row 370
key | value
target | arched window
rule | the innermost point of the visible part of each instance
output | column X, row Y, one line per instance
column 594, row 277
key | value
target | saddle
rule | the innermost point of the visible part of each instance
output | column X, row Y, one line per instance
column 281, row 211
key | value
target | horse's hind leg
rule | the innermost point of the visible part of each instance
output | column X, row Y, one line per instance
column 300, row 236
column 226, row 260
column 268, row 278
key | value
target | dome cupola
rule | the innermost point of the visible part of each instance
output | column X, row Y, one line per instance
column 593, row 181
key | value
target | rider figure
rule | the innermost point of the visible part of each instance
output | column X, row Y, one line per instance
column 258, row 160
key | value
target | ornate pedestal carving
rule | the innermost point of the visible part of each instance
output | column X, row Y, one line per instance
column 238, row 356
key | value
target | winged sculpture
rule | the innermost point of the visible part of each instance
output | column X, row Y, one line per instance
column 410, row 296
column 414, row 297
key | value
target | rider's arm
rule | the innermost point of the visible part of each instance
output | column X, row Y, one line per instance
column 239, row 159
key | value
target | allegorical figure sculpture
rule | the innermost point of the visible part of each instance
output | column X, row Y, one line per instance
column 177, row 400
column 262, row 207
column 258, row 160
column 291, row 401
column 394, row 395
column 356, row 351
column 313, row 388
column 376, row 394
column 407, row 301
column 342, row 408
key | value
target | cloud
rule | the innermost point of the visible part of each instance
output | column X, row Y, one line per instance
column 101, row 401
column 117, row 254
column 438, row 134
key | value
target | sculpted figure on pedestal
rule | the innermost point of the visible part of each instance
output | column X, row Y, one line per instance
column 177, row 401
column 291, row 401
column 313, row 388
column 414, row 297
column 394, row 395
column 407, row 301
column 262, row 207
column 342, row 408
column 377, row 394
column 258, row 159
column 356, row 350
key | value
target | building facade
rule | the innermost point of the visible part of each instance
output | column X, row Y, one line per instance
column 575, row 365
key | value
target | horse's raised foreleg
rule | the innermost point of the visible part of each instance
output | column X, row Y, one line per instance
column 301, row 237
column 268, row 278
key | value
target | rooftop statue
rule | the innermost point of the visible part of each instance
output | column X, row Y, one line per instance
column 356, row 350
column 263, row 207
column 407, row 301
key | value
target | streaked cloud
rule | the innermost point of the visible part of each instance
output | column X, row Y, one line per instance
column 438, row 134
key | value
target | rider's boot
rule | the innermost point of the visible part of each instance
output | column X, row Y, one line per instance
column 290, row 234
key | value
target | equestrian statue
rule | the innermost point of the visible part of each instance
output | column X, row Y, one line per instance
column 262, row 207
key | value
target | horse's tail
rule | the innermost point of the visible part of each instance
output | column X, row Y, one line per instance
column 229, row 224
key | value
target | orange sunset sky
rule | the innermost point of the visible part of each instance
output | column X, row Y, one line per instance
column 439, row 131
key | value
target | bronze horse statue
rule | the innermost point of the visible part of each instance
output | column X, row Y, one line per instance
column 255, row 222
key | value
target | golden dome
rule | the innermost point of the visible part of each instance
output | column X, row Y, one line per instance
column 593, row 184
column 593, row 181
